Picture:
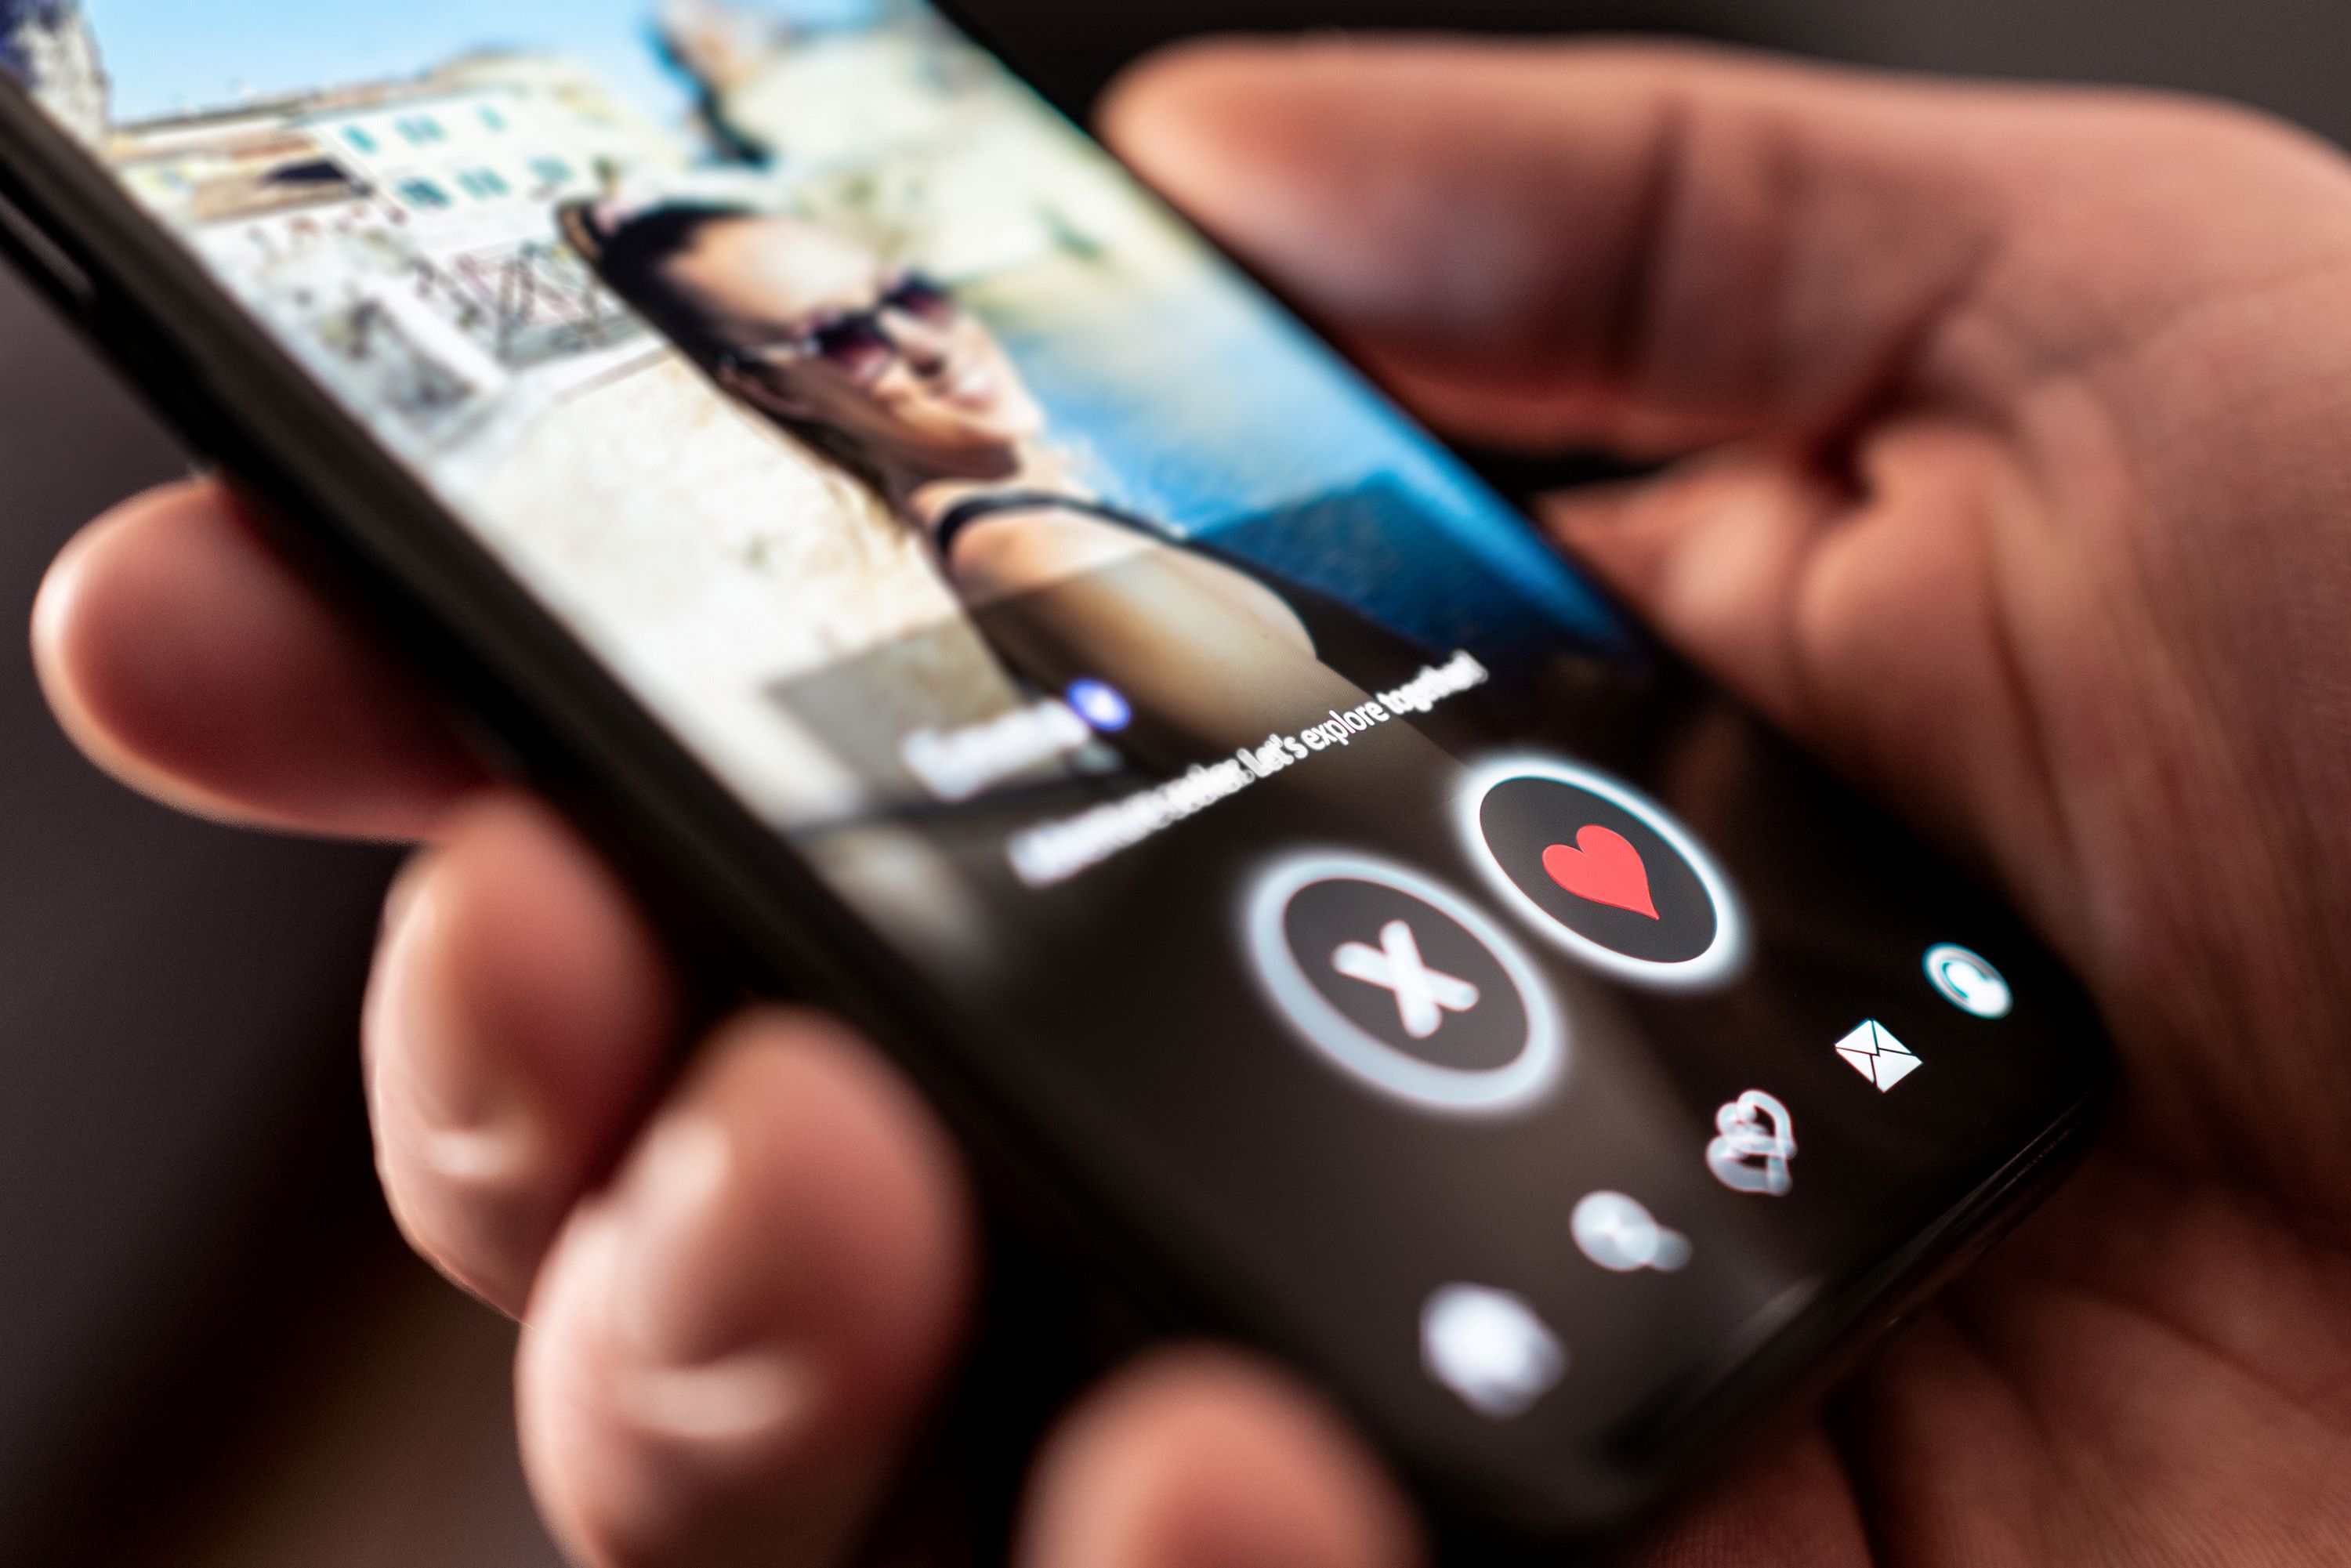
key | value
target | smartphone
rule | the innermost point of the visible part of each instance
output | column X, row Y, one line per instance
column 956, row 594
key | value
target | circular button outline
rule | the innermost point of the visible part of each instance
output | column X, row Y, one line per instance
column 1524, row 1080
column 1723, row 958
column 1942, row 953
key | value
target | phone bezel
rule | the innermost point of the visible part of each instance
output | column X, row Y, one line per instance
column 730, row 891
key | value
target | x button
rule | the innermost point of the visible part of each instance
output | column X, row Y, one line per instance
column 1423, row 995
column 1404, row 983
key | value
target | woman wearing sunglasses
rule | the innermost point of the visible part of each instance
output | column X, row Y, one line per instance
column 884, row 373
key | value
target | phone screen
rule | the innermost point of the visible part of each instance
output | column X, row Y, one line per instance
column 1514, row 1030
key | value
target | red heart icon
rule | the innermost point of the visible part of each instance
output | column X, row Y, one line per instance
column 1603, row 867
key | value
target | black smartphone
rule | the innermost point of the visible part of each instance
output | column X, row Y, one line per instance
column 956, row 594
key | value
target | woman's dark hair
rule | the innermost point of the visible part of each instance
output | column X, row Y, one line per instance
column 633, row 257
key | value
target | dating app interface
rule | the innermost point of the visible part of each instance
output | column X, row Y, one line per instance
column 1510, row 1021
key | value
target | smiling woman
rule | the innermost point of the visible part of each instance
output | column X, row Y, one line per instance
column 882, row 371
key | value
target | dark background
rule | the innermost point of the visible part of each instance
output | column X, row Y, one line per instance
column 212, row 1349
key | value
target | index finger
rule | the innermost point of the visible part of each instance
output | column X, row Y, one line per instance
column 192, row 663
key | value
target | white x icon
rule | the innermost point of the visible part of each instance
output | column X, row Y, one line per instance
column 1423, row 995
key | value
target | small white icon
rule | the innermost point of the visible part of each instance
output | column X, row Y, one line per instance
column 1623, row 1237
column 1490, row 1348
column 1423, row 995
column 1968, row 982
column 1872, row 1051
column 1757, row 1139
column 1100, row 704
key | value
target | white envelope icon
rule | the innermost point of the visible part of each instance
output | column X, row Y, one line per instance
column 1877, row 1056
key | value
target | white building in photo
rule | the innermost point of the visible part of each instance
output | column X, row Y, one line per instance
column 47, row 44
column 404, row 232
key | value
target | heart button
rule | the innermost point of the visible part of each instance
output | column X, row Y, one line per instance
column 1603, row 867
column 1757, row 1139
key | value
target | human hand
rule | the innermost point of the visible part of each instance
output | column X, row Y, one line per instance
column 2015, row 413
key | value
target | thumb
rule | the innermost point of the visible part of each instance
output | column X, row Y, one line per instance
column 1649, row 248
column 1654, row 248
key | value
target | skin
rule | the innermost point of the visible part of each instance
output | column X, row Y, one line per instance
column 2010, row 475
column 949, row 405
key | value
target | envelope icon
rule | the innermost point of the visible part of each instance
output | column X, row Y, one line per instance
column 1877, row 1055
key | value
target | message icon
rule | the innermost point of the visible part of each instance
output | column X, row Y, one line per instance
column 1872, row 1051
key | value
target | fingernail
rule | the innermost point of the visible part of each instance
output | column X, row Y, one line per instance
column 452, row 1112
column 687, row 1373
column 400, row 896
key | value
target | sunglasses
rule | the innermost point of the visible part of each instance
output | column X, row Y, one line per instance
column 859, row 343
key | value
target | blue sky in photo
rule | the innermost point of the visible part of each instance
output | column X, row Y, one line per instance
column 173, row 56
column 1210, row 406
